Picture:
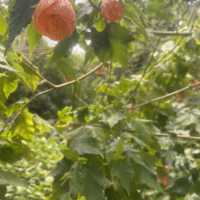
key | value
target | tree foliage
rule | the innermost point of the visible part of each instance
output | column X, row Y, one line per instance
column 111, row 113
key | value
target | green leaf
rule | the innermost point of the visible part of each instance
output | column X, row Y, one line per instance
column 111, row 42
column 89, row 181
column 146, row 178
column 114, row 119
column 118, row 32
column 33, row 37
column 144, row 170
column 101, row 44
column 155, row 7
column 144, row 131
column 13, row 152
column 9, row 87
column 84, row 141
column 42, row 126
column 20, row 17
column 81, row 198
column 3, row 191
column 119, row 52
column 59, row 185
column 24, row 127
column 100, row 24
column 3, row 25
column 181, row 186
column 7, row 178
column 65, row 117
column 122, row 175
column 119, row 40
column 23, row 71
column 4, row 66
column 116, row 150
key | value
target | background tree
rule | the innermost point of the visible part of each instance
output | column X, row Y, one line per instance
column 110, row 113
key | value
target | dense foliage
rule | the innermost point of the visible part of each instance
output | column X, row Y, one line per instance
column 111, row 113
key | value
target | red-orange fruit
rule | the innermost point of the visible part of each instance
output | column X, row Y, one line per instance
column 112, row 10
column 55, row 19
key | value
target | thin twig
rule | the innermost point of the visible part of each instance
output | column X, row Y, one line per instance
column 17, row 115
column 79, row 78
column 171, row 33
column 34, row 69
column 178, row 136
column 156, row 99
column 165, row 57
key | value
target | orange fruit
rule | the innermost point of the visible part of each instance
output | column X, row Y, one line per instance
column 55, row 19
column 112, row 10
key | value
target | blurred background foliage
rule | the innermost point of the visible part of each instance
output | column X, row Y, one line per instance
column 128, row 131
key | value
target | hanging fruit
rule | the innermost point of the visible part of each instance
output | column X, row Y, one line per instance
column 112, row 10
column 55, row 19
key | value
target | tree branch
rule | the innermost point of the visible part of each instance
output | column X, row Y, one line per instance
column 178, row 136
column 171, row 33
column 33, row 68
column 17, row 115
column 66, row 83
column 167, row 56
column 79, row 78
column 156, row 99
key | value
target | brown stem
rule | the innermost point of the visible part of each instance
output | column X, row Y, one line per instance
column 178, row 136
column 156, row 99
column 171, row 33
column 79, row 78
column 47, row 91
